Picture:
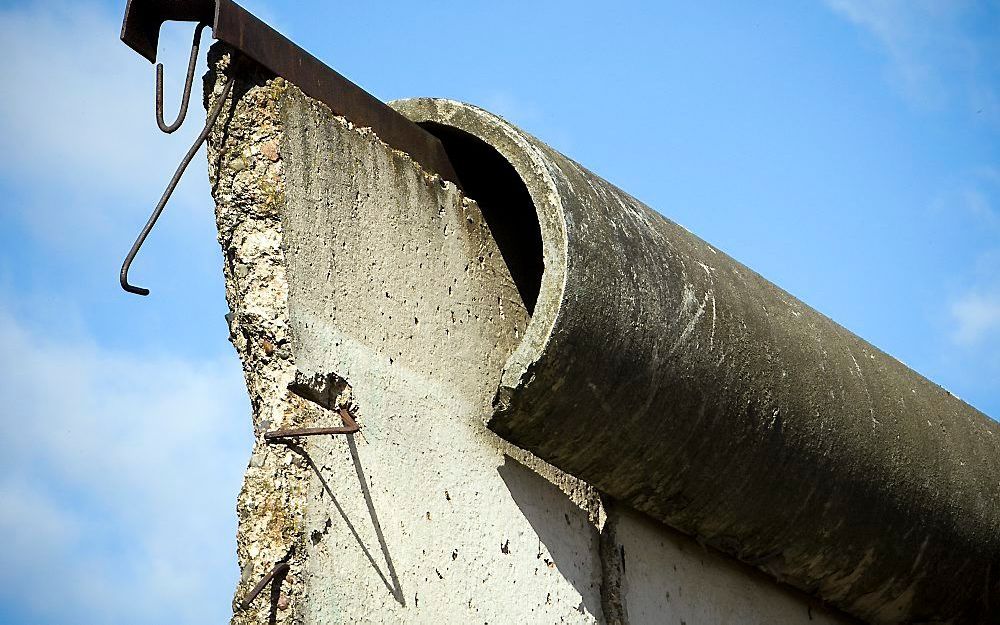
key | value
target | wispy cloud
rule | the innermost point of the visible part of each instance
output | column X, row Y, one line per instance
column 76, row 119
column 526, row 115
column 977, row 317
column 936, row 59
column 975, row 313
column 972, row 197
column 118, row 485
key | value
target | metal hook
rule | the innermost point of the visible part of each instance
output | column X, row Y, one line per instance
column 186, row 96
column 213, row 115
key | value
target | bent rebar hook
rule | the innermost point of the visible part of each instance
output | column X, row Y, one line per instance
column 213, row 115
column 186, row 96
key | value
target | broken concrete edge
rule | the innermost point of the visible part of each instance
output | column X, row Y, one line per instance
column 267, row 506
column 892, row 522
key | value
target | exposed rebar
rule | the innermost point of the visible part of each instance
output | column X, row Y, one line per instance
column 213, row 115
column 350, row 426
column 186, row 96
column 279, row 569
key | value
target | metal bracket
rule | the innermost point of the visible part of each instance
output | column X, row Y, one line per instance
column 239, row 28
column 213, row 115
column 350, row 427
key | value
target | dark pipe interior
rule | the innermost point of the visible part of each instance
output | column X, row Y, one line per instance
column 491, row 180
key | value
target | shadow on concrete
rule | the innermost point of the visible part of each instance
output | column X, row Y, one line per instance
column 563, row 528
column 397, row 588
column 392, row 581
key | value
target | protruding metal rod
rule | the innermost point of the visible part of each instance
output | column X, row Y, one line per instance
column 350, row 426
column 279, row 569
column 186, row 96
column 213, row 115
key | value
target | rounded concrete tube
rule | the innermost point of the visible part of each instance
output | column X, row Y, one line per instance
column 674, row 379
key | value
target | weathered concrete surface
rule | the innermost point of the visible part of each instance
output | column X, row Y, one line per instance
column 396, row 285
column 670, row 376
column 346, row 262
column 354, row 279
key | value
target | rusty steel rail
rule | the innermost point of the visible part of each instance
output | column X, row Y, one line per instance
column 350, row 427
column 239, row 28
column 256, row 40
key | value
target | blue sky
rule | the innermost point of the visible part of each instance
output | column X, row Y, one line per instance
column 847, row 150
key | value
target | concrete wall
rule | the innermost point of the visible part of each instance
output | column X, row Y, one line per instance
column 353, row 275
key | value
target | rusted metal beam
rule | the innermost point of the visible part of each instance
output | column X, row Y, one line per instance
column 240, row 29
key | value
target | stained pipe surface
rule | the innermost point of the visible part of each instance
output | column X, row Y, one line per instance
column 682, row 383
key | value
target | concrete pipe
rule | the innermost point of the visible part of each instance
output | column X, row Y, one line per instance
column 680, row 382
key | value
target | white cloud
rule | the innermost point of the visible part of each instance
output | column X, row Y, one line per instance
column 972, row 196
column 119, row 481
column 936, row 59
column 978, row 203
column 976, row 316
column 77, row 130
column 79, row 103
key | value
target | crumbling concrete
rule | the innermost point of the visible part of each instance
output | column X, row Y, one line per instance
column 355, row 279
